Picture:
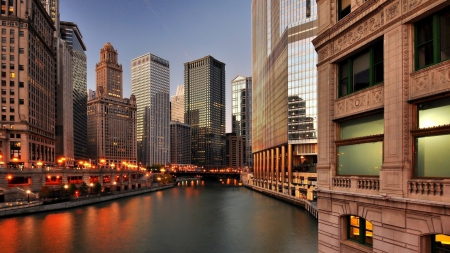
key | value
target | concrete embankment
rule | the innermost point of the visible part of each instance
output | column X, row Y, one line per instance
column 310, row 207
column 75, row 202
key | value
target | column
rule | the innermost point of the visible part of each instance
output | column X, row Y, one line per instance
column 277, row 168
column 289, row 167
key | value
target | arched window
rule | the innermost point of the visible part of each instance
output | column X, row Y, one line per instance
column 359, row 230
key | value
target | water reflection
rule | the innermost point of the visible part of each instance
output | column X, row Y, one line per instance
column 196, row 216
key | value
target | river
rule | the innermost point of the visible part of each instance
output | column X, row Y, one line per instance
column 197, row 216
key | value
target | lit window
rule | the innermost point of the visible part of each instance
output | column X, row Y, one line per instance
column 432, row 39
column 440, row 243
column 12, row 75
column 360, row 148
column 360, row 230
column 432, row 139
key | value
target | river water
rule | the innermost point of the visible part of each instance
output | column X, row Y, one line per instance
column 197, row 216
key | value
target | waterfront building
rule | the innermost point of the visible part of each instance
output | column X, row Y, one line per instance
column 284, row 96
column 71, row 34
column 177, row 105
column 180, row 143
column 111, row 118
column 27, row 132
column 64, row 148
column 241, row 117
column 204, row 107
column 383, row 75
column 234, row 151
column 150, row 83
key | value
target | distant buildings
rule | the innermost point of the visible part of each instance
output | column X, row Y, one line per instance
column 150, row 83
column 284, row 96
column 384, row 106
column 71, row 34
column 91, row 94
column 234, row 151
column 111, row 118
column 177, row 105
column 241, row 110
column 204, row 86
column 180, row 143
column 27, row 127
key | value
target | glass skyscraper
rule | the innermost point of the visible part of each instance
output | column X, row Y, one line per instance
column 204, row 104
column 150, row 83
column 241, row 103
column 72, row 36
column 284, row 94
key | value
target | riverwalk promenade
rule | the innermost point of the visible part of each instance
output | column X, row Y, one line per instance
column 38, row 206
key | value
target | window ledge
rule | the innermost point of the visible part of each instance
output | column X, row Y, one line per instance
column 355, row 245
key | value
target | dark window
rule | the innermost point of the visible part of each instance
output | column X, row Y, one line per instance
column 21, row 84
column 11, row 118
column 3, row 82
column 360, row 230
column 11, row 40
column 11, row 83
column 21, row 33
column 3, row 100
column 11, row 32
column 11, row 92
column 3, row 49
column 3, row 39
column 21, row 67
column 4, row 31
column 3, row 108
column 432, row 39
column 21, row 50
column 361, row 71
column 11, row 100
column 344, row 8
column 11, row 49
column 11, row 57
column 308, row 8
column 3, row 74
column 21, row 101
column 11, row 109
column 11, row 66
column 3, row 65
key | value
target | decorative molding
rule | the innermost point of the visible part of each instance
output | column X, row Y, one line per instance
column 432, row 80
column 366, row 100
column 410, row 4
column 361, row 31
column 392, row 11
column 323, row 53
column 332, row 97
column 406, row 71
column 391, row 179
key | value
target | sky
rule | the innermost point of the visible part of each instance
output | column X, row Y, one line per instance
column 176, row 30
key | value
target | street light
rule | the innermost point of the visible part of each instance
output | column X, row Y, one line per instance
column 28, row 192
column 92, row 187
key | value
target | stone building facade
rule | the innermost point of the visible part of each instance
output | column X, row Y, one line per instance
column 384, row 112
column 111, row 118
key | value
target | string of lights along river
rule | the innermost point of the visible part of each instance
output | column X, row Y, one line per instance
column 197, row 216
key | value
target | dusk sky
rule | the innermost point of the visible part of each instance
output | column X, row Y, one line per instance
column 176, row 30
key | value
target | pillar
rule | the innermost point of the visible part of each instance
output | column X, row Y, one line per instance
column 289, row 165
column 283, row 170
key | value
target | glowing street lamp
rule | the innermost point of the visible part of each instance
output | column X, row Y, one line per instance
column 28, row 192
column 65, row 189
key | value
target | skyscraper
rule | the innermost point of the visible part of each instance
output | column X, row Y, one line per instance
column 177, row 105
column 111, row 118
column 180, row 143
column 72, row 36
column 284, row 137
column 204, row 107
column 27, row 129
column 150, row 83
column 241, row 121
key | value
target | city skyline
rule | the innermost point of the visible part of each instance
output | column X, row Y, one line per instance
column 168, row 29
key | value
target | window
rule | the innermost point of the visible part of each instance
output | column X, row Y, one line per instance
column 3, row 31
column 21, row 50
column 11, row 49
column 361, row 71
column 3, row 39
column 21, row 101
column 11, row 32
column 12, row 75
column 360, row 148
column 11, row 118
column 3, row 65
column 3, row 74
column 11, row 83
column 11, row 92
column 11, row 100
column 440, row 243
column 3, row 49
column 3, row 82
column 432, row 39
column 3, row 100
column 11, row 66
column 432, row 139
column 344, row 8
column 4, row 57
column 11, row 57
column 360, row 230
column 11, row 40
column 21, row 67
column 21, row 84
column 11, row 109
column 21, row 33
column 3, row 108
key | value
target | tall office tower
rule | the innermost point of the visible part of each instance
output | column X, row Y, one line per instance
column 234, row 154
column 64, row 148
column 72, row 36
column 52, row 8
column 91, row 94
column 384, row 113
column 180, row 143
column 284, row 136
column 150, row 82
column 204, row 107
column 27, row 132
column 177, row 105
column 111, row 118
column 241, row 121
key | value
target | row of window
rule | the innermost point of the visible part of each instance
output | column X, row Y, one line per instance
column 365, row 69
column 366, row 156
column 361, row 231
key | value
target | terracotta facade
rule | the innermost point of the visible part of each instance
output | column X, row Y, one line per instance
column 405, row 209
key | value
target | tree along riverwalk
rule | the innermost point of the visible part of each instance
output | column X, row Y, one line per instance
column 311, row 207
column 36, row 206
